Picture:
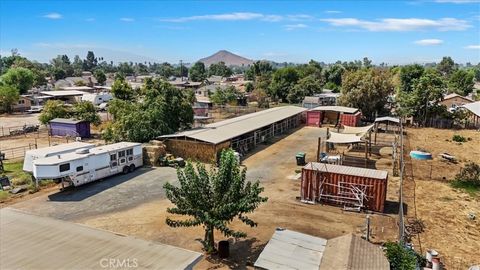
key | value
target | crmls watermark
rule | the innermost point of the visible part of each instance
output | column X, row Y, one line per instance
column 115, row 263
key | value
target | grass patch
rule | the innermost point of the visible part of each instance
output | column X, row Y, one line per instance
column 467, row 186
column 14, row 170
column 3, row 195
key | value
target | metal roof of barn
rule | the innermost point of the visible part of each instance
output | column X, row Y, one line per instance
column 340, row 109
column 34, row 242
column 473, row 107
column 63, row 93
column 66, row 121
column 346, row 170
column 387, row 119
column 228, row 129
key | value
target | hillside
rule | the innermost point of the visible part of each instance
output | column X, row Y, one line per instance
column 230, row 59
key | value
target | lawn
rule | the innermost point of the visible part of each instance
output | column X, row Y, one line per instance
column 14, row 170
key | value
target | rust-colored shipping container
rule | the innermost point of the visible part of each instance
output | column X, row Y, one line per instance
column 352, row 120
column 344, row 185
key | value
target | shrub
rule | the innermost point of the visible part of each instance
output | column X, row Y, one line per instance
column 469, row 173
column 400, row 257
column 458, row 138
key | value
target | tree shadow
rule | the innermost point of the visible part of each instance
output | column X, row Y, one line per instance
column 243, row 254
column 392, row 207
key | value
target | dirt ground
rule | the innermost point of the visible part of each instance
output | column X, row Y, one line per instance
column 275, row 166
column 443, row 209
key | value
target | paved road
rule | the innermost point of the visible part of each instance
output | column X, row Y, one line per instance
column 112, row 194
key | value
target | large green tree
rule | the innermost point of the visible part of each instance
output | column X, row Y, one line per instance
column 461, row 82
column 213, row 199
column 162, row 109
column 100, row 76
column 219, row 69
column 121, row 89
column 367, row 90
column 53, row 109
column 198, row 72
column 447, row 66
column 307, row 86
column 90, row 62
column 408, row 74
column 85, row 110
column 19, row 78
column 283, row 81
column 9, row 95
column 225, row 96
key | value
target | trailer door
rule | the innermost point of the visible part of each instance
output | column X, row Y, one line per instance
column 113, row 162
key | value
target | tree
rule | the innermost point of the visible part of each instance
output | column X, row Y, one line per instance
column 366, row 89
column 9, row 95
column 469, row 174
column 80, row 83
column 283, row 81
column 427, row 92
column 19, row 78
column 77, row 66
column 121, row 89
column 249, row 87
column 219, row 69
column 225, row 96
column 165, row 70
column 213, row 199
column 408, row 74
column 164, row 110
column 90, row 62
column 53, row 109
column 446, row 66
column 259, row 68
column 399, row 257
column 36, row 68
column 100, row 76
column 334, row 74
column 181, row 71
column 62, row 62
column 307, row 86
column 59, row 74
column 198, row 72
column 85, row 110
column 461, row 82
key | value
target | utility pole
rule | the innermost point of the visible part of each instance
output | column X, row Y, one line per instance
column 367, row 236
column 181, row 69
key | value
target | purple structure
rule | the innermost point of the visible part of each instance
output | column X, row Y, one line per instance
column 69, row 127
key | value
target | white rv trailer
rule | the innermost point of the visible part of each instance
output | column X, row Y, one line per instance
column 87, row 165
column 34, row 154
column 97, row 99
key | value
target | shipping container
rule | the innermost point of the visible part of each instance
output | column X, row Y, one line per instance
column 347, row 186
column 352, row 120
column 313, row 118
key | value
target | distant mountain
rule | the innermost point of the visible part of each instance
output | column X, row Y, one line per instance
column 230, row 59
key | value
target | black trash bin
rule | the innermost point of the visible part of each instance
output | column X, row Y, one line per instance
column 223, row 249
column 300, row 158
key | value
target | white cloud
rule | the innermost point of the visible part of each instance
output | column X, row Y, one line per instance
column 458, row 1
column 290, row 27
column 332, row 11
column 473, row 47
column 429, row 42
column 53, row 16
column 241, row 16
column 90, row 19
column 393, row 24
column 126, row 19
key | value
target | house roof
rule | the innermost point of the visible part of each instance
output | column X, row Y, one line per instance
column 292, row 250
column 63, row 93
column 346, row 170
column 357, row 254
column 315, row 100
column 35, row 242
column 473, row 107
column 228, row 129
column 454, row 95
column 66, row 121
column 79, row 88
column 340, row 109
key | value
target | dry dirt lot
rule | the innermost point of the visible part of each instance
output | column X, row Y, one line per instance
column 443, row 209
column 273, row 165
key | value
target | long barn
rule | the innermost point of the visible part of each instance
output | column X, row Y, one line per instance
column 241, row 133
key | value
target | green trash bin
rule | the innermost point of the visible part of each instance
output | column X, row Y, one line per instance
column 300, row 158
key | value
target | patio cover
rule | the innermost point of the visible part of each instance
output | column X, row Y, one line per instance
column 356, row 130
column 344, row 138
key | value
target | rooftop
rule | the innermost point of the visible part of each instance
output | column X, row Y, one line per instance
column 228, row 129
column 347, row 170
column 34, row 242
column 58, row 148
column 66, row 121
column 341, row 109
column 454, row 95
column 63, row 93
column 473, row 107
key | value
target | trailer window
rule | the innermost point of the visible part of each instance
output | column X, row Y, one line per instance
column 79, row 168
column 129, row 152
column 121, row 154
column 113, row 157
column 64, row 167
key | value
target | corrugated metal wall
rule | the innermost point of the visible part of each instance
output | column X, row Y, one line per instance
column 333, row 184
column 313, row 118
column 350, row 119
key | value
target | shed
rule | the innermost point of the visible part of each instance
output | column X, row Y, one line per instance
column 293, row 250
column 474, row 111
column 69, row 127
column 338, row 115
column 347, row 186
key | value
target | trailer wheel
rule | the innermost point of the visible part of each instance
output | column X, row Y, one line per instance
column 125, row 170
column 132, row 168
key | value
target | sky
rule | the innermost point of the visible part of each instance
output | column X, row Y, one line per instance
column 394, row 32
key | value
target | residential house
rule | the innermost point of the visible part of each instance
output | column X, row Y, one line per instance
column 453, row 101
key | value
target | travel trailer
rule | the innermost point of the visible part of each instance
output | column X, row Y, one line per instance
column 97, row 99
column 35, row 154
column 88, row 165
